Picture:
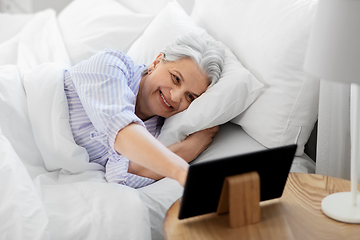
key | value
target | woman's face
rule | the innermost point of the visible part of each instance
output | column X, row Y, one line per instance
column 170, row 87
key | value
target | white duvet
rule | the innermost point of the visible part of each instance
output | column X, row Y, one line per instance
column 48, row 189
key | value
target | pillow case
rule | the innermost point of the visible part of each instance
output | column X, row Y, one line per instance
column 271, row 38
column 235, row 91
column 89, row 26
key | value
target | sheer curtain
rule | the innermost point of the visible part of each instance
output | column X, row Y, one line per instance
column 333, row 145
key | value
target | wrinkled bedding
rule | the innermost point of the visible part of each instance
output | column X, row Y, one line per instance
column 48, row 189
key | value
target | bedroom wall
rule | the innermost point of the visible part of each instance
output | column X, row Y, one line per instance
column 28, row 6
column 16, row 6
column 57, row 5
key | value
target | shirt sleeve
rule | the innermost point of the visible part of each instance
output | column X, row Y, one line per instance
column 102, row 84
column 117, row 172
column 117, row 165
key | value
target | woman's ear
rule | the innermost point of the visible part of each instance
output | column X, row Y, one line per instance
column 154, row 64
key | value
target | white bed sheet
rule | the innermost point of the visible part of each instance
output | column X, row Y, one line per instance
column 232, row 140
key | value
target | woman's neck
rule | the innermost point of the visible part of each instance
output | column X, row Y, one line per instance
column 141, row 109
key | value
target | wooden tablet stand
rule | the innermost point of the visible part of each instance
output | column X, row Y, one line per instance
column 240, row 196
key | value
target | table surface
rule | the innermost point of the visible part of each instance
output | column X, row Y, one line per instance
column 296, row 215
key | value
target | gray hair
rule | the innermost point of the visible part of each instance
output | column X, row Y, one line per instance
column 209, row 55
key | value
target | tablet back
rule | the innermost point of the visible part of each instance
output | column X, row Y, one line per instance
column 205, row 180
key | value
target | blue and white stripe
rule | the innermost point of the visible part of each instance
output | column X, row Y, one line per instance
column 101, row 94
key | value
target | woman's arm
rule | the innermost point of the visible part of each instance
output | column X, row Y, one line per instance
column 188, row 150
column 141, row 148
column 194, row 144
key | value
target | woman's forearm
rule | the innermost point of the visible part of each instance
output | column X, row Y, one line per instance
column 139, row 146
column 185, row 151
column 194, row 144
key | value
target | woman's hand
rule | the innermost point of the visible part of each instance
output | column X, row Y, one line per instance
column 194, row 144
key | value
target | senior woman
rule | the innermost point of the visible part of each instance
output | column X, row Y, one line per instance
column 116, row 109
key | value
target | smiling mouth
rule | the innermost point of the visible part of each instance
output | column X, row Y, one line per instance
column 163, row 98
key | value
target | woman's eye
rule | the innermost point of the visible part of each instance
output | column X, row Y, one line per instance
column 176, row 79
column 191, row 97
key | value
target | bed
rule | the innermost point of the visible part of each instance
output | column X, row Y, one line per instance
column 48, row 188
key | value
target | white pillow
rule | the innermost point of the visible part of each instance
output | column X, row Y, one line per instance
column 234, row 92
column 270, row 38
column 89, row 26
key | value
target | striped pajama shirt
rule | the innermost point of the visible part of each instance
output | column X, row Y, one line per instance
column 101, row 94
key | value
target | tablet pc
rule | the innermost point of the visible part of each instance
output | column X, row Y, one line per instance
column 205, row 180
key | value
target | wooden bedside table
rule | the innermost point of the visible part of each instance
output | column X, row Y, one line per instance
column 296, row 215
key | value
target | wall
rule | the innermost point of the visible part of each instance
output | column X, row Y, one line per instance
column 28, row 6
column 16, row 6
column 57, row 5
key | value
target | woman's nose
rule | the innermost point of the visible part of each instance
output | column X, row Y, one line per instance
column 175, row 95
